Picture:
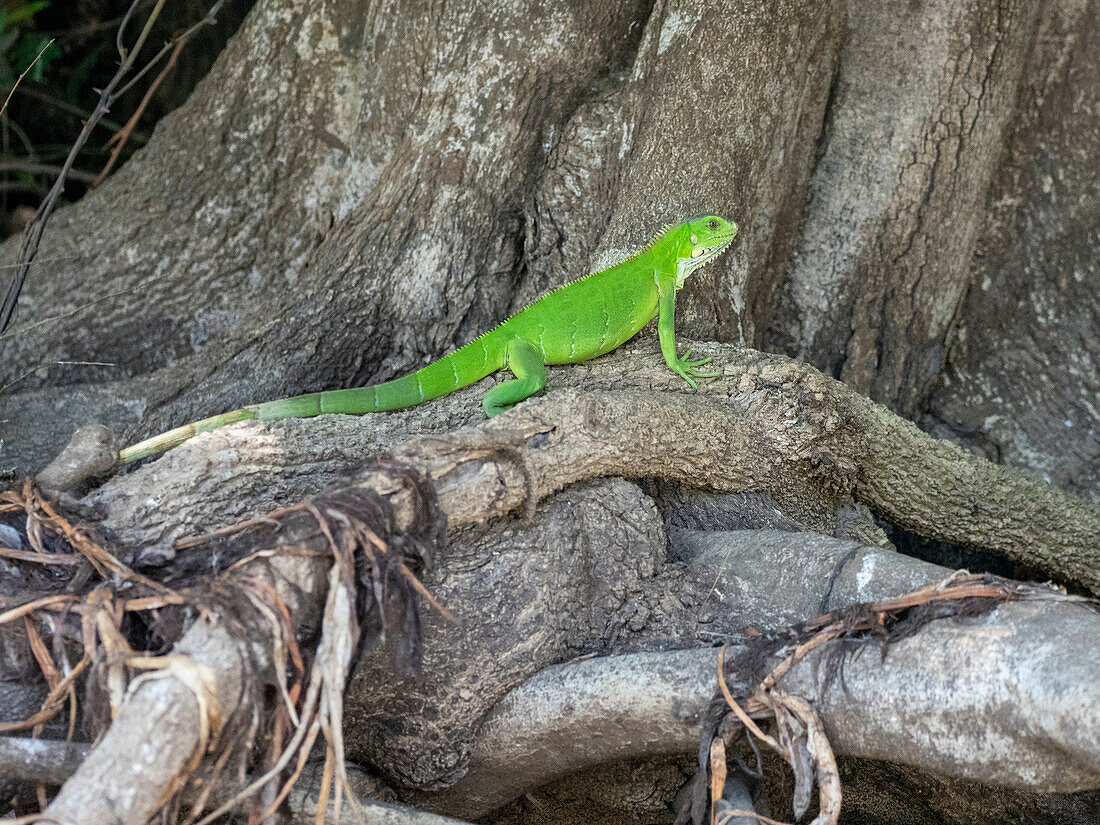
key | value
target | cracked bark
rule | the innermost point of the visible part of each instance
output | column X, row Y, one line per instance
column 357, row 187
column 1026, row 395
column 923, row 98
column 294, row 265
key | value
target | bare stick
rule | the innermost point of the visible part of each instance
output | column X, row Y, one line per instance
column 19, row 79
column 32, row 235
column 38, row 760
column 120, row 137
column 123, row 134
column 44, row 169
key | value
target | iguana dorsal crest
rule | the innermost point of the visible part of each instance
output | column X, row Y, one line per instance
column 664, row 230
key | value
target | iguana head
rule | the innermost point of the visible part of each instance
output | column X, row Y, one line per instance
column 701, row 240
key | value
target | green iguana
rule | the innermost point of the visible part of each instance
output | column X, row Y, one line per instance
column 583, row 319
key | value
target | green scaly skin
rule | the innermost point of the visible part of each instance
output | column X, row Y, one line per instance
column 579, row 321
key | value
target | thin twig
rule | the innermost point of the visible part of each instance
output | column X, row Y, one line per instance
column 326, row 786
column 738, row 711
column 208, row 20
column 19, row 378
column 45, row 364
column 32, row 235
column 120, row 137
column 71, row 559
column 45, row 169
column 29, row 90
column 30, row 607
column 20, row 78
column 50, row 319
column 122, row 28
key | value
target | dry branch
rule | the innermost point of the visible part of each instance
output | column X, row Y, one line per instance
column 38, row 760
column 32, row 235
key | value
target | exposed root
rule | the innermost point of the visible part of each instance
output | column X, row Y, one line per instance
column 772, row 426
column 799, row 735
column 620, row 707
column 837, row 447
column 371, row 599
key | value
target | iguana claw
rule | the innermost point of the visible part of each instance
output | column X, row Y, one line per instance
column 689, row 370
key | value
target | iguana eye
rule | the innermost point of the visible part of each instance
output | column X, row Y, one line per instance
column 712, row 224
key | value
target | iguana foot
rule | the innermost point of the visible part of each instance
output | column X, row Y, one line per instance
column 689, row 370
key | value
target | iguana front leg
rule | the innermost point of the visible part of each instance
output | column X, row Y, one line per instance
column 666, row 331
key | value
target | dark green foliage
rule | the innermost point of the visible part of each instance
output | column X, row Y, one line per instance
column 20, row 44
column 79, row 55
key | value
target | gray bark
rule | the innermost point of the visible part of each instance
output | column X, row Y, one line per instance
column 282, row 236
column 356, row 188
column 262, row 244
column 746, row 443
column 592, row 574
column 1026, row 395
column 897, row 200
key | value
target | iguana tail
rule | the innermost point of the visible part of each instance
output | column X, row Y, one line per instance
column 464, row 366
column 172, row 438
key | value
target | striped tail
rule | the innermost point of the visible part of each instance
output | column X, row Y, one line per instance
column 173, row 438
column 439, row 378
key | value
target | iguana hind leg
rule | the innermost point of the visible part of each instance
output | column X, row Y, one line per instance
column 526, row 363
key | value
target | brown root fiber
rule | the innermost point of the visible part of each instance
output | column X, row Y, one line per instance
column 120, row 611
column 799, row 736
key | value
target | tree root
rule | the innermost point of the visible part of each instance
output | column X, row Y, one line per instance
column 1000, row 698
column 203, row 700
column 574, row 716
column 770, row 425
column 579, row 715
column 1004, row 697
column 773, row 426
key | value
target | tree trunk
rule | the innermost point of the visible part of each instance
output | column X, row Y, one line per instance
column 358, row 187
column 1022, row 379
